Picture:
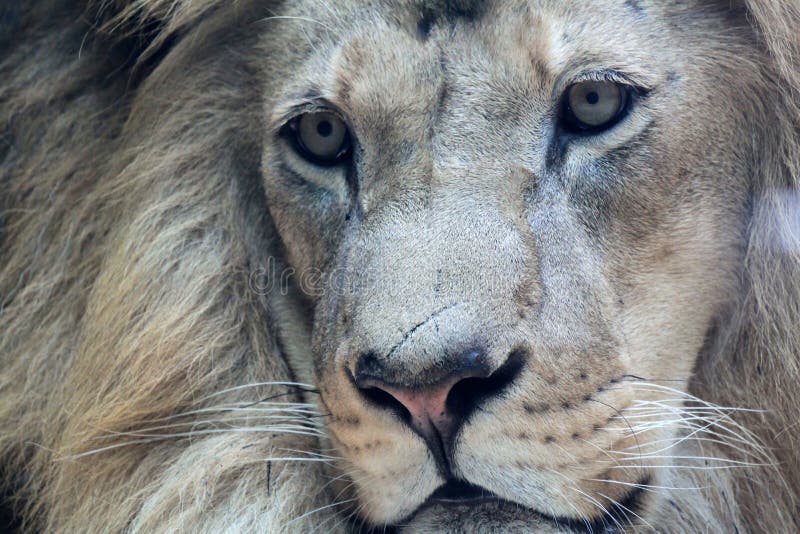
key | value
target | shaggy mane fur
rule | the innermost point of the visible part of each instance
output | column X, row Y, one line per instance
column 128, row 321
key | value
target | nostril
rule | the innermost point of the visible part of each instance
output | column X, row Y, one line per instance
column 469, row 392
column 384, row 399
column 370, row 380
column 444, row 398
column 438, row 405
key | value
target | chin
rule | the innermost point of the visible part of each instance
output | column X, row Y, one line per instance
column 489, row 516
column 458, row 507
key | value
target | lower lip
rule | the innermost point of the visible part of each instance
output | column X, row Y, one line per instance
column 444, row 501
column 574, row 525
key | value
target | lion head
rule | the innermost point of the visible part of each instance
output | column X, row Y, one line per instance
column 425, row 265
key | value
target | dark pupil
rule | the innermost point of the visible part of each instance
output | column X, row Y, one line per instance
column 592, row 98
column 324, row 128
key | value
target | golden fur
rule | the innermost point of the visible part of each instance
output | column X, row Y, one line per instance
column 147, row 385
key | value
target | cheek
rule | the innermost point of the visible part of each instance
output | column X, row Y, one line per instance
column 309, row 224
column 672, row 284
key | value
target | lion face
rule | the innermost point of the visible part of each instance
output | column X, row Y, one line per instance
column 515, row 222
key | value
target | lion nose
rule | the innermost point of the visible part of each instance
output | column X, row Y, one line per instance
column 436, row 406
column 425, row 407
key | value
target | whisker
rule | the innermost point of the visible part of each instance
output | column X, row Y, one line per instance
column 228, row 408
column 307, row 388
column 297, row 451
column 687, row 467
column 678, row 441
column 296, row 459
column 646, row 487
column 704, row 458
column 206, row 422
column 161, row 437
column 569, row 502
column 316, row 510
column 301, row 19
column 626, row 511
column 591, row 500
column 600, row 507
column 635, row 436
column 150, row 432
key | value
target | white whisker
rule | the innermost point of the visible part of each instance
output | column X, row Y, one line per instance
column 232, row 407
column 316, row 510
column 646, row 487
column 703, row 458
column 621, row 506
column 258, row 384
column 161, row 437
column 687, row 467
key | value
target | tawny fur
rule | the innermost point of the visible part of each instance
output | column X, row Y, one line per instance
column 126, row 297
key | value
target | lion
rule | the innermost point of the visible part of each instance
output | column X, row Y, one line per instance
column 411, row 266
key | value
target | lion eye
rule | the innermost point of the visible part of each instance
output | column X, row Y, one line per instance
column 321, row 137
column 594, row 106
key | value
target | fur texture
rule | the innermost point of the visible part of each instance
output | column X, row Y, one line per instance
column 150, row 384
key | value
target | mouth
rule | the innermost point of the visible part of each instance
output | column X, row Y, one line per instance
column 456, row 494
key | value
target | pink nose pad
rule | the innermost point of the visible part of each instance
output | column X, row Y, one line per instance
column 427, row 406
column 437, row 408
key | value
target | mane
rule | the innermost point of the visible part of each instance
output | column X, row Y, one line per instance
column 753, row 356
column 126, row 304
column 152, row 21
column 132, row 339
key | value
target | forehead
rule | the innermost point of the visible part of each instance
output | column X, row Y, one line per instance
column 395, row 52
column 422, row 17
